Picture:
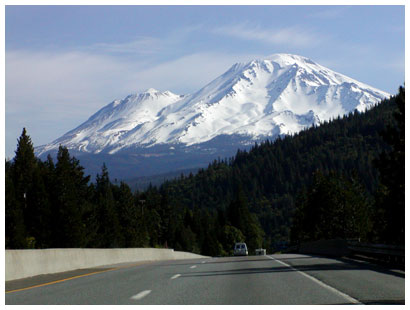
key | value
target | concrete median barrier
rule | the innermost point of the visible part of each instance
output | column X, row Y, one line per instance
column 28, row 263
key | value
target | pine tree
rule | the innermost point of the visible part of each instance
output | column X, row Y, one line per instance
column 391, row 194
column 230, row 235
column 23, row 169
column 107, row 215
column 15, row 233
column 238, row 216
column 41, row 208
column 333, row 207
column 127, row 216
column 70, row 195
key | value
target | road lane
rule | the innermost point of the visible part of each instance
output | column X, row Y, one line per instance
column 115, row 286
column 319, row 282
column 369, row 283
column 243, row 280
column 227, row 280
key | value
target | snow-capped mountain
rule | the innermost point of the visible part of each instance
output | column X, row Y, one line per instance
column 256, row 100
column 115, row 123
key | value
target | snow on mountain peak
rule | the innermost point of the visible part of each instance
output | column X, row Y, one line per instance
column 289, row 59
column 281, row 94
column 151, row 91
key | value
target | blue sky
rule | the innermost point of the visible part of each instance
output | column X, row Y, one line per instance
column 63, row 63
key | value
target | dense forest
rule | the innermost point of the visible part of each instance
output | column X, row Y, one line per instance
column 342, row 179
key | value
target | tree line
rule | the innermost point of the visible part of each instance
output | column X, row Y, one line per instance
column 344, row 178
column 53, row 204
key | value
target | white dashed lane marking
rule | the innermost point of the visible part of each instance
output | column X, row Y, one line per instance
column 175, row 276
column 140, row 295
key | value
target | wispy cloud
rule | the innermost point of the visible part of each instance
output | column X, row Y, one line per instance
column 331, row 12
column 167, row 42
column 294, row 36
column 140, row 45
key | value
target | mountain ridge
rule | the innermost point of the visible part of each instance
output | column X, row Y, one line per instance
column 256, row 100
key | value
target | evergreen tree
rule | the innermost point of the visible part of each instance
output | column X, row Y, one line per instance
column 230, row 235
column 210, row 244
column 41, row 207
column 70, row 193
column 15, row 233
column 391, row 194
column 238, row 216
column 107, row 215
column 165, row 212
column 127, row 216
column 332, row 208
column 23, row 169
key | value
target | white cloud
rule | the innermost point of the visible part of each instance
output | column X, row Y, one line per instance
column 168, row 42
column 294, row 36
column 330, row 13
column 140, row 45
column 48, row 80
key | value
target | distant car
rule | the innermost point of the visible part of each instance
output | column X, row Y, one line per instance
column 240, row 249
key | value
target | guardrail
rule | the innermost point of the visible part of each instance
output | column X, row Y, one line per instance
column 381, row 252
column 390, row 254
column 260, row 251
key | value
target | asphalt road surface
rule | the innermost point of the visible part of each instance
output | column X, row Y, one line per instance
column 287, row 279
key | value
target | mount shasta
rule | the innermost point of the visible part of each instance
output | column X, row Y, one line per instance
column 155, row 132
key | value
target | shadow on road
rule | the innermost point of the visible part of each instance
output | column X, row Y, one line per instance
column 224, row 260
column 341, row 264
column 384, row 302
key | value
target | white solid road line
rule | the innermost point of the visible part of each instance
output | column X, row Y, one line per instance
column 330, row 288
column 140, row 295
column 175, row 276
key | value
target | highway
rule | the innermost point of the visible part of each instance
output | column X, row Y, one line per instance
column 285, row 279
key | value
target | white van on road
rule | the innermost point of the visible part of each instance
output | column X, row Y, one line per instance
column 240, row 249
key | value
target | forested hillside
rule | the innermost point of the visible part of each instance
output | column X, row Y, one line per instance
column 275, row 176
column 344, row 178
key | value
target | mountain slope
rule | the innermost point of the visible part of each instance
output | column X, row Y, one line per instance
column 272, row 174
column 114, row 122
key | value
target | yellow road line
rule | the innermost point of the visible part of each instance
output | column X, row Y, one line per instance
column 58, row 281
column 75, row 277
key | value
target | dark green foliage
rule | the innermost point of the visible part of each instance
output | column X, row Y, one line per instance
column 22, row 174
column 107, row 215
column 390, row 197
column 24, row 165
column 54, row 205
column 239, row 217
column 70, row 193
column 15, row 228
column 127, row 216
column 332, row 208
column 40, row 205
